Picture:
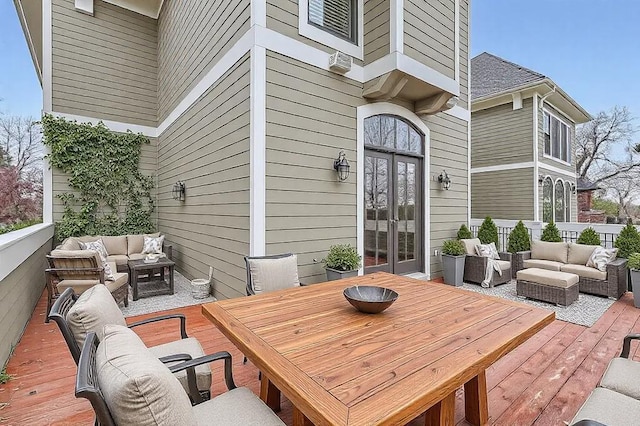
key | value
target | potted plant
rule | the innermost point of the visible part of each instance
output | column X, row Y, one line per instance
column 488, row 232
column 627, row 243
column 551, row 233
column 589, row 237
column 453, row 255
column 464, row 233
column 342, row 261
column 519, row 242
column 634, row 271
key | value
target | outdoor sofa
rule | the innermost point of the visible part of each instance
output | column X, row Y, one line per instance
column 572, row 258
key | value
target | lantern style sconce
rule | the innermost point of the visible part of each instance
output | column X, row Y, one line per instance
column 178, row 191
column 540, row 179
column 444, row 180
column 573, row 188
column 341, row 166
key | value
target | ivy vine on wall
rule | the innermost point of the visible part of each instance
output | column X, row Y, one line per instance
column 110, row 196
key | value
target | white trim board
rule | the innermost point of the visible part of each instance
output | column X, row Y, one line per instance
column 557, row 170
column 115, row 126
column 369, row 110
column 25, row 28
column 17, row 246
column 536, row 149
column 501, row 167
column 258, row 143
column 396, row 26
column 259, row 13
column 47, row 106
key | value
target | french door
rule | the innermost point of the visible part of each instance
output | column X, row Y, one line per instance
column 393, row 230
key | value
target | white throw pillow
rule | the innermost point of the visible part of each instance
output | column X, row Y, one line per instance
column 152, row 245
column 487, row 250
column 601, row 256
column 98, row 246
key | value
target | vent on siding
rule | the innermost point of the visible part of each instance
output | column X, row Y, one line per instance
column 335, row 16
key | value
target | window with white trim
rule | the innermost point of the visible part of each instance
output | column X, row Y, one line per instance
column 556, row 201
column 338, row 17
column 557, row 138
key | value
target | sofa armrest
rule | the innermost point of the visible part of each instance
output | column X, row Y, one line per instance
column 168, row 250
column 626, row 345
column 617, row 278
column 526, row 255
column 505, row 256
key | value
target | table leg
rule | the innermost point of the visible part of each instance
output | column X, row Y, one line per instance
column 134, row 283
column 269, row 393
column 443, row 413
column 475, row 400
column 300, row 419
column 171, row 279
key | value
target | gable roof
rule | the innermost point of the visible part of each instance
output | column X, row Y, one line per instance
column 584, row 184
column 491, row 74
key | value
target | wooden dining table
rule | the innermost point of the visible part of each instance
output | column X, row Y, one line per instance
column 339, row 366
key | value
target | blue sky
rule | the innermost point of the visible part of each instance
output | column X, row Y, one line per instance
column 591, row 48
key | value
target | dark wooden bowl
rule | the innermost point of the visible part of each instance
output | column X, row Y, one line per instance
column 370, row 299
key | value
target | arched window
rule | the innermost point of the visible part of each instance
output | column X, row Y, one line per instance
column 567, row 201
column 559, row 201
column 547, row 200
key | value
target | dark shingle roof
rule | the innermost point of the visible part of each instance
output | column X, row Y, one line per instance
column 584, row 184
column 491, row 74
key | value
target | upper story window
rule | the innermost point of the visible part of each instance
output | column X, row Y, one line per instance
column 338, row 24
column 339, row 17
column 557, row 138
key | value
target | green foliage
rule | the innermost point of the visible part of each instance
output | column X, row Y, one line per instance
column 628, row 241
column 634, row 261
column 610, row 208
column 590, row 237
column 19, row 225
column 110, row 196
column 488, row 232
column 342, row 257
column 464, row 233
column 453, row 248
column 551, row 233
column 519, row 239
column 4, row 377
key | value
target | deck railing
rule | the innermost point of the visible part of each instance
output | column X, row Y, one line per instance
column 569, row 231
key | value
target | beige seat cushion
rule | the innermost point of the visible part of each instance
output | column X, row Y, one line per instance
column 622, row 376
column 137, row 256
column 92, row 311
column 504, row 265
column 115, row 245
column 579, row 253
column 542, row 264
column 558, row 252
column 584, row 271
column 470, row 245
column 118, row 259
column 135, row 243
column 274, row 274
column 239, row 407
column 121, row 278
column 137, row 387
column 609, row 408
column 190, row 346
column 546, row 277
column 78, row 286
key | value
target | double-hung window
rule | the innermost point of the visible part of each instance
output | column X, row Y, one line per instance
column 557, row 138
column 338, row 17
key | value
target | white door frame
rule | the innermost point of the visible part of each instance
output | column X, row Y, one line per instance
column 379, row 108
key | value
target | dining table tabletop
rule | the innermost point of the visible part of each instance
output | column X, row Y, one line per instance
column 339, row 366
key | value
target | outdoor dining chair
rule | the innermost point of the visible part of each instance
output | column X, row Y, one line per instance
column 76, row 316
column 126, row 384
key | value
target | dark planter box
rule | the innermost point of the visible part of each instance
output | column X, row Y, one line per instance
column 453, row 269
column 334, row 274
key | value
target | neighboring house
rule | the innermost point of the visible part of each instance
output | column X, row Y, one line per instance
column 522, row 143
column 240, row 103
column 585, row 190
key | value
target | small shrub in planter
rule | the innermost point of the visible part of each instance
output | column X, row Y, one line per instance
column 634, row 261
column 589, row 237
column 519, row 239
column 634, row 272
column 488, row 232
column 464, row 233
column 453, row 255
column 628, row 241
column 551, row 233
column 342, row 261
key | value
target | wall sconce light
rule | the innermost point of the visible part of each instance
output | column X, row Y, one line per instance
column 573, row 188
column 178, row 191
column 444, row 180
column 540, row 179
column 341, row 166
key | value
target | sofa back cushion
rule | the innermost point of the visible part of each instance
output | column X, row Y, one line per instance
column 137, row 387
column 558, row 252
column 135, row 243
column 470, row 245
column 116, row 244
column 273, row 274
column 94, row 309
column 70, row 243
column 579, row 254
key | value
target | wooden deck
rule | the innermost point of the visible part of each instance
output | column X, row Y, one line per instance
column 543, row 382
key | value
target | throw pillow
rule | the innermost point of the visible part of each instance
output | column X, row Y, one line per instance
column 98, row 246
column 152, row 245
column 487, row 250
column 601, row 256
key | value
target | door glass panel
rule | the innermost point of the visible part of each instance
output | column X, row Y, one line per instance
column 402, row 136
column 372, row 130
column 388, row 131
column 376, row 181
column 406, row 211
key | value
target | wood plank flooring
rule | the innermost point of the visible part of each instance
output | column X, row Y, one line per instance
column 543, row 382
